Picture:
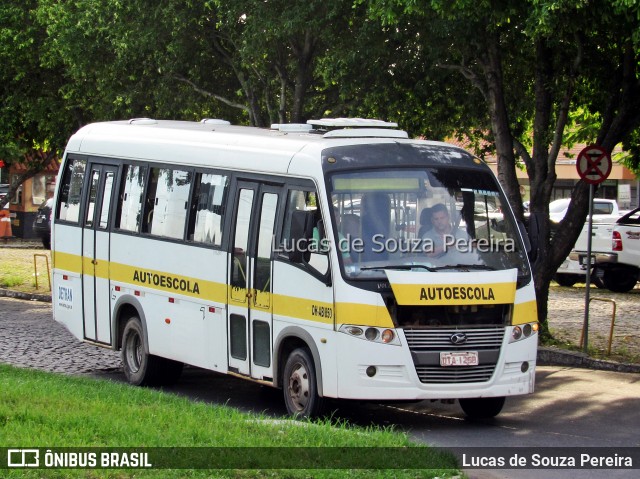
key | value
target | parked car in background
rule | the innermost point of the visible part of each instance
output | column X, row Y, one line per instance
column 571, row 271
column 615, row 251
column 603, row 210
column 42, row 223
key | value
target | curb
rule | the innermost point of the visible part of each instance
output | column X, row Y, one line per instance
column 7, row 293
column 546, row 356
column 21, row 244
column 559, row 357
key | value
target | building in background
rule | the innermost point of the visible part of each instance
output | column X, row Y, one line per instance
column 622, row 185
column 29, row 196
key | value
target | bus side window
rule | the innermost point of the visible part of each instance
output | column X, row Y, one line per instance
column 311, row 250
column 129, row 214
column 207, row 208
column 71, row 191
column 167, row 197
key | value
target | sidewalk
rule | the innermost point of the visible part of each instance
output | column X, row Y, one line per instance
column 13, row 242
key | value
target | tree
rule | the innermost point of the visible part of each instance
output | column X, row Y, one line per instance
column 33, row 114
column 245, row 61
column 534, row 64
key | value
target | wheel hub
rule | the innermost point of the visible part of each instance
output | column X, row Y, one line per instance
column 299, row 387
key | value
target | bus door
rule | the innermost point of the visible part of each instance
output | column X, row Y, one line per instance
column 95, row 254
column 250, row 292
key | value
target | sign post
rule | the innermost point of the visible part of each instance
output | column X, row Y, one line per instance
column 594, row 166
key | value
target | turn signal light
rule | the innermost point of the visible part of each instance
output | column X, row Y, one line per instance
column 387, row 336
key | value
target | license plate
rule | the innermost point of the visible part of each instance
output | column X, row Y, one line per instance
column 465, row 358
column 584, row 261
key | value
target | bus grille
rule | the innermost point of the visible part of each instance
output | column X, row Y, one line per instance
column 426, row 345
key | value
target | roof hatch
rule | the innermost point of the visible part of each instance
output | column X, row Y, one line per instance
column 357, row 128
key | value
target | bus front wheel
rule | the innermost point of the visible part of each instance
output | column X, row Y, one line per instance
column 300, row 385
column 482, row 408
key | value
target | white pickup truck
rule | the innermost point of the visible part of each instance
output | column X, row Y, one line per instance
column 615, row 252
column 570, row 271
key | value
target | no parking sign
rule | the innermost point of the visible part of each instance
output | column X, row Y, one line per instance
column 594, row 164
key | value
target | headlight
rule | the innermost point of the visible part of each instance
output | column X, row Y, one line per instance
column 523, row 331
column 375, row 335
column 516, row 334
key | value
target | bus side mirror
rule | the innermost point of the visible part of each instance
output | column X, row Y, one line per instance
column 300, row 235
column 525, row 237
column 534, row 235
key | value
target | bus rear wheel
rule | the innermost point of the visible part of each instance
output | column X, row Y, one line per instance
column 300, row 385
column 141, row 368
column 482, row 408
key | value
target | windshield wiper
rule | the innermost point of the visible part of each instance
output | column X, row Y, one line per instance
column 464, row 266
column 399, row 266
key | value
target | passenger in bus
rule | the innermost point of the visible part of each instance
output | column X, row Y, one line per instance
column 376, row 221
column 348, row 232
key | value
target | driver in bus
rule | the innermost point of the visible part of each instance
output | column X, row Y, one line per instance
column 442, row 234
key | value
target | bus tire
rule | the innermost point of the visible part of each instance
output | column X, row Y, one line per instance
column 300, row 385
column 482, row 408
column 140, row 368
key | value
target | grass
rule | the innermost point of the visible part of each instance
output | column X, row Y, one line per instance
column 39, row 409
column 17, row 271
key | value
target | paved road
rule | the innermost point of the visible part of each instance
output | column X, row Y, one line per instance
column 566, row 315
column 571, row 407
column 29, row 337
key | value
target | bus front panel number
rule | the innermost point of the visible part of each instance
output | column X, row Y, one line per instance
column 321, row 311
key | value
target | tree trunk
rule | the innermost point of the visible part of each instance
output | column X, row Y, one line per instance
column 304, row 55
column 491, row 64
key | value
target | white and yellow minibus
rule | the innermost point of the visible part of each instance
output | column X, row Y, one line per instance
column 333, row 259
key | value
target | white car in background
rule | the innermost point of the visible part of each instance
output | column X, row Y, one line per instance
column 603, row 210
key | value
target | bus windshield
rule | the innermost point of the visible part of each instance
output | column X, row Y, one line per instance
column 431, row 219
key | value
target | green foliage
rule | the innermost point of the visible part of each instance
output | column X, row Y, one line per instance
column 32, row 113
column 506, row 73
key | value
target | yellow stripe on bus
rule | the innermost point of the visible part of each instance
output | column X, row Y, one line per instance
column 169, row 282
column 526, row 312
column 363, row 315
column 67, row 262
column 302, row 308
